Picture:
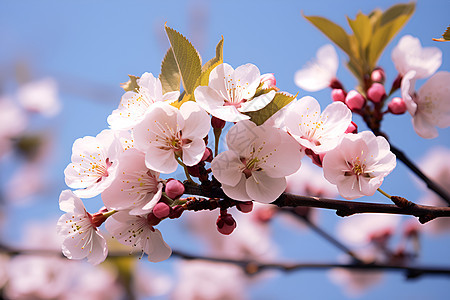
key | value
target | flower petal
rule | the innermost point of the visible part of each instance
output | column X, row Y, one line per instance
column 263, row 188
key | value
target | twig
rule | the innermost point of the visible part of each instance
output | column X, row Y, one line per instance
column 343, row 208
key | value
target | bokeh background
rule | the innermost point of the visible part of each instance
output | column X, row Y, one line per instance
column 89, row 47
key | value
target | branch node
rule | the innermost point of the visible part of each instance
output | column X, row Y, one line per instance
column 344, row 212
column 426, row 218
column 401, row 202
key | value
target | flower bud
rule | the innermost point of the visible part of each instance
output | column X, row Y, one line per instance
column 268, row 81
column 397, row 106
column 264, row 215
column 338, row 95
column 225, row 223
column 352, row 128
column 161, row 210
column 174, row 189
column 378, row 75
column 176, row 212
column 207, row 155
column 245, row 207
column 354, row 100
column 376, row 92
column 152, row 219
column 97, row 219
column 217, row 123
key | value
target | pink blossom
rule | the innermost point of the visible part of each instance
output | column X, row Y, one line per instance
column 13, row 122
column 258, row 159
column 94, row 163
column 409, row 55
column 230, row 92
column 136, row 231
column 168, row 133
column 319, row 73
column 212, row 281
column 134, row 104
column 81, row 237
column 40, row 96
column 429, row 107
column 317, row 131
column 359, row 164
column 135, row 187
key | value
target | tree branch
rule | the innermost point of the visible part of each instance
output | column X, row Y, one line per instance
column 343, row 208
column 252, row 267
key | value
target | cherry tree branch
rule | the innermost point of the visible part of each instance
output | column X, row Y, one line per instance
column 343, row 208
column 252, row 266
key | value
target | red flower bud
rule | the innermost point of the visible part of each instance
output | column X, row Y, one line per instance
column 378, row 75
column 354, row 100
column 174, row 189
column 217, row 123
column 376, row 92
column 338, row 95
column 352, row 128
column 397, row 106
column 225, row 223
column 245, row 207
column 161, row 210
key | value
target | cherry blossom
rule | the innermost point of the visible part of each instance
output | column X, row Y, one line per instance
column 135, row 187
column 409, row 55
column 13, row 122
column 258, row 159
column 81, row 237
column 40, row 96
column 429, row 107
column 319, row 73
column 359, row 164
column 134, row 104
column 94, row 163
column 230, row 92
column 167, row 133
column 137, row 232
column 213, row 281
column 316, row 131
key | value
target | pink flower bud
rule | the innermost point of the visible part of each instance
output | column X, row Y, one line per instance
column 245, row 207
column 174, row 189
column 354, row 100
column 207, row 155
column 352, row 128
column 397, row 106
column 376, row 92
column 268, row 80
column 161, row 210
column 225, row 223
column 265, row 214
column 338, row 95
column 378, row 75
column 176, row 212
column 152, row 219
column 217, row 123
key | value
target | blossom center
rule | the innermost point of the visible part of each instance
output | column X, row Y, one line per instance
column 249, row 166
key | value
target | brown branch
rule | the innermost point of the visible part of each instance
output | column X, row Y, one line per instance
column 343, row 208
column 252, row 267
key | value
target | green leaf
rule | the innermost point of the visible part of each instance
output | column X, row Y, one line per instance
column 333, row 31
column 211, row 64
column 186, row 57
column 279, row 101
column 389, row 24
column 170, row 74
column 131, row 84
column 445, row 37
column 362, row 28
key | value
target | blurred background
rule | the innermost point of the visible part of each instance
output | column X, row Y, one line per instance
column 61, row 65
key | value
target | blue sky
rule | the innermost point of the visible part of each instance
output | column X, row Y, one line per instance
column 91, row 46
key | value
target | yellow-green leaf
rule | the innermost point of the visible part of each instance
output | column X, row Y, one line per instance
column 184, row 98
column 170, row 74
column 445, row 37
column 279, row 101
column 186, row 57
column 390, row 23
column 362, row 29
column 211, row 64
column 333, row 31
column 131, row 84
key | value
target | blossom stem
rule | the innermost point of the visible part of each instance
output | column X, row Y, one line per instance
column 384, row 193
column 217, row 133
column 186, row 172
column 109, row 213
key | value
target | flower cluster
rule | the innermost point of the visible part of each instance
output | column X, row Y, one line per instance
column 156, row 130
